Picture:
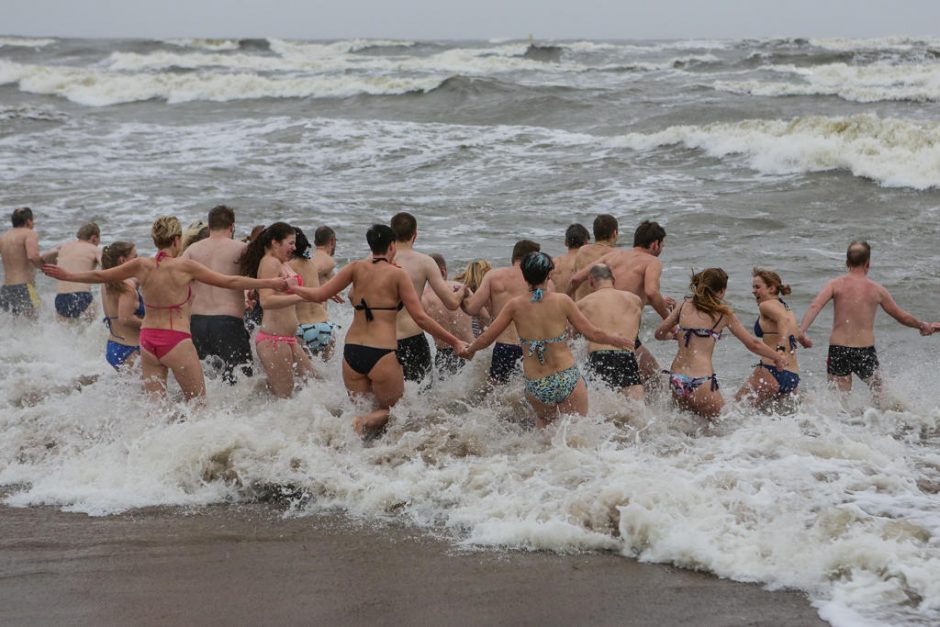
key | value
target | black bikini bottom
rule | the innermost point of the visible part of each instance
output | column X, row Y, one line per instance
column 362, row 359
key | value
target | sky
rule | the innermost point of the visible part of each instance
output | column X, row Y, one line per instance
column 470, row 19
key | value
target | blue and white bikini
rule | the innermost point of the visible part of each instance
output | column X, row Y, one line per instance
column 556, row 387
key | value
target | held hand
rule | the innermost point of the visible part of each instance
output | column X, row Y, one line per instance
column 780, row 361
column 926, row 329
column 805, row 341
column 935, row 326
column 670, row 302
column 462, row 349
column 54, row 271
column 337, row 299
column 624, row 343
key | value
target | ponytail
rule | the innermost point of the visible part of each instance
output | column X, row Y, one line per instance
column 705, row 287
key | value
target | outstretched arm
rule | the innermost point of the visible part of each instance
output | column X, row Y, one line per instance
column 654, row 270
column 480, row 299
column 754, row 344
column 329, row 289
column 448, row 295
column 496, row 327
column 408, row 295
column 229, row 281
column 667, row 329
column 127, row 308
column 580, row 322
column 32, row 249
column 907, row 319
column 112, row 275
column 824, row 296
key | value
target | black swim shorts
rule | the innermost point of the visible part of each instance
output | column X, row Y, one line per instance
column 845, row 360
column 505, row 362
column 616, row 368
column 20, row 299
column 414, row 355
column 225, row 338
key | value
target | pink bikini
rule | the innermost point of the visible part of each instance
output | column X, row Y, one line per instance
column 159, row 342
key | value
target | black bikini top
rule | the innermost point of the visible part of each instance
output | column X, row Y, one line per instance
column 364, row 306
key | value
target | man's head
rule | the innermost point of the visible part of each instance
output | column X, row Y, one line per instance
column 325, row 237
column 380, row 238
column 858, row 254
column 576, row 236
column 522, row 248
column 405, row 227
column 441, row 264
column 599, row 276
column 22, row 217
column 649, row 235
column 221, row 218
column 89, row 233
column 605, row 228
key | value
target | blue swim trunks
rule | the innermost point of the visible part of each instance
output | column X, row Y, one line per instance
column 73, row 304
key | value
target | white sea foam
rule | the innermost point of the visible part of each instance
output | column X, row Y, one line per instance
column 893, row 152
column 858, row 83
column 206, row 44
column 26, row 42
column 826, row 500
column 880, row 43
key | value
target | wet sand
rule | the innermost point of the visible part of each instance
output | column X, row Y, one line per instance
column 246, row 564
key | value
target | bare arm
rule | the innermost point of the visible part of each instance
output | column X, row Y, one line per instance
column 654, row 271
column 269, row 268
column 479, row 299
column 824, row 296
column 667, row 329
column 496, row 327
column 754, row 344
column 112, row 275
column 895, row 311
column 577, row 279
column 32, row 249
column 127, row 308
column 580, row 322
column 229, row 281
column 329, row 289
column 445, row 292
column 408, row 295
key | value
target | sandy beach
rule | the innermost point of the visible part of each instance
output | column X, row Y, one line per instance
column 247, row 564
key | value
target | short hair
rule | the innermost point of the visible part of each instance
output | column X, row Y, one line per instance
column 522, row 248
column 221, row 217
column 536, row 266
column 648, row 233
column 601, row 272
column 604, row 227
column 323, row 236
column 165, row 229
column 404, row 226
column 88, row 231
column 439, row 260
column 857, row 254
column 379, row 237
column 576, row 236
column 21, row 216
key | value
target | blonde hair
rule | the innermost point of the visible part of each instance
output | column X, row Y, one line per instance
column 772, row 280
column 165, row 230
column 705, row 287
column 473, row 274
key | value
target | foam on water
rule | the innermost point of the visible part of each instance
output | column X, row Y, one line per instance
column 894, row 152
column 26, row 42
column 827, row 500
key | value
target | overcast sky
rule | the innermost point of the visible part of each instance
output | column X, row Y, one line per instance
column 470, row 19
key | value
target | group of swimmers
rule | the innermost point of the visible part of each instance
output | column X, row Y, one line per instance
column 196, row 298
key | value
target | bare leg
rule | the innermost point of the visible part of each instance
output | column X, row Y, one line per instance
column 759, row 388
column 576, row 403
column 703, row 401
column 635, row 392
column 187, row 370
column 154, row 375
column 277, row 358
column 386, row 381
column 649, row 367
column 303, row 365
column 876, row 385
column 843, row 384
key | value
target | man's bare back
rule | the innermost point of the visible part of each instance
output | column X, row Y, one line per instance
column 422, row 270
column 586, row 257
column 499, row 286
column 564, row 268
column 614, row 311
column 325, row 267
column 221, row 253
column 76, row 256
column 455, row 322
column 19, row 250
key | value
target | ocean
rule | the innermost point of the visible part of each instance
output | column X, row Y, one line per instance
column 763, row 152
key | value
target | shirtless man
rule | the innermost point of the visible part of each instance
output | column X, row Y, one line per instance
column 314, row 317
column 19, row 249
column 616, row 312
column 82, row 254
column 414, row 352
column 856, row 300
column 638, row 270
column 217, row 323
column 576, row 236
column 605, row 238
column 500, row 286
column 456, row 322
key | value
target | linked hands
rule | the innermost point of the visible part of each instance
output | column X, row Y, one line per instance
column 55, row 272
column 805, row 341
column 462, row 349
column 928, row 328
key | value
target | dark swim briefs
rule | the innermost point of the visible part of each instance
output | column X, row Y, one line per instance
column 505, row 362
column 20, row 299
column 616, row 368
column 72, row 304
column 845, row 360
column 447, row 362
column 414, row 355
column 225, row 338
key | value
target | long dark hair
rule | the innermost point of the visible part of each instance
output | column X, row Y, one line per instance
column 301, row 245
column 251, row 258
column 111, row 258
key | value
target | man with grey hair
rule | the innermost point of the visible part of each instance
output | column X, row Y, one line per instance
column 73, row 300
column 856, row 300
column 616, row 312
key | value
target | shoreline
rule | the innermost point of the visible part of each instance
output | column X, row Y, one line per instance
column 246, row 564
